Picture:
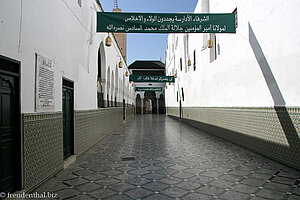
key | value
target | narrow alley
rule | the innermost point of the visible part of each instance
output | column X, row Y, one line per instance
column 120, row 100
column 157, row 157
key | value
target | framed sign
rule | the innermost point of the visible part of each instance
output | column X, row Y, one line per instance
column 165, row 22
column 137, row 78
column 151, row 89
column 44, row 84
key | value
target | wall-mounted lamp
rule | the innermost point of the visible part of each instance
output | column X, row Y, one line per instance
column 127, row 73
column 108, row 41
column 189, row 62
column 175, row 75
column 210, row 42
column 120, row 64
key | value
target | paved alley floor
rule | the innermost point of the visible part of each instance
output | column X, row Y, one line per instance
column 157, row 157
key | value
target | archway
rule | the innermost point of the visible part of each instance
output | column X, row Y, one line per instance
column 101, row 74
column 150, row 95
column 120, row 91
column 112, row 89
column 116, row 86
column 108, row 87
column 123, row 96
column 138, row 104
column 162, row 108
column 149, row 106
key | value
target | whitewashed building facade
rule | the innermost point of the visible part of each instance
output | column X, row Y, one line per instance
column 245, row 88
column 54, row 70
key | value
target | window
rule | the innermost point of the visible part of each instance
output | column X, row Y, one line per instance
column 180, row 64
column 194, row 60
column 236, row 17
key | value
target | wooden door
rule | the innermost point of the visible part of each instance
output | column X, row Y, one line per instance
column 9, row 127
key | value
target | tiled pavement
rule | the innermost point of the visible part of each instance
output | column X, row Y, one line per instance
column 172, row 161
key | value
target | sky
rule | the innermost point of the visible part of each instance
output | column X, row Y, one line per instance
column 148, row 46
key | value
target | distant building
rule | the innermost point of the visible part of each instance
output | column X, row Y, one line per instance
column 150, row 99
column 55, row 74
column 121, row 38
column 246, row 87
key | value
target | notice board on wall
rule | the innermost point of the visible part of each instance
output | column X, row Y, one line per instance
column 44, row 84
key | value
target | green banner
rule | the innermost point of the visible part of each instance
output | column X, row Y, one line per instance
column 137, row 78
column 165, row 22
column 155, row 89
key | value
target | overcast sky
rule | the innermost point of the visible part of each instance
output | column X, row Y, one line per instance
column 148, row 46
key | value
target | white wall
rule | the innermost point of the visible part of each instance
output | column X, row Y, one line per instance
column 235, row 77
column 63, row 32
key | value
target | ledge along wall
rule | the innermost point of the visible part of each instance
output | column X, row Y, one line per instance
column 93, row 125
column 257, row 129
column 43, row 139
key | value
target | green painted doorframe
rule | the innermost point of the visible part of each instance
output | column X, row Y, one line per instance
column 68, row 119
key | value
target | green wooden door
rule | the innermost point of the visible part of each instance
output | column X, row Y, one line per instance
column 68, row 122
column 9, row 104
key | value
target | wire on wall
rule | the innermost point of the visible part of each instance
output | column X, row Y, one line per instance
column 76, row 16
column 20, row 33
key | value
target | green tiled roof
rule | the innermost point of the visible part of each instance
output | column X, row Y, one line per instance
column 142, row 64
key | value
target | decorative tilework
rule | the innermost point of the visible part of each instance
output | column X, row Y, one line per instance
column 253, row 125
column 173, row 161
column 42, row 143
column 93, row 125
